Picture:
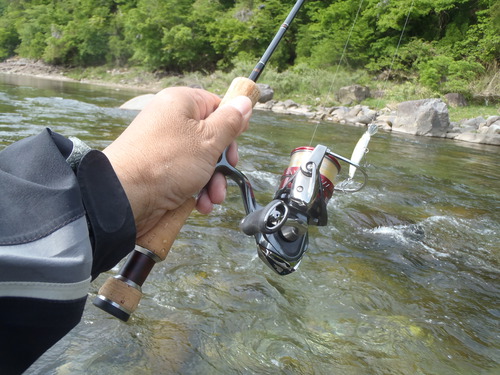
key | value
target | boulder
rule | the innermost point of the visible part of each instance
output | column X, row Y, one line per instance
column 137, row 103
column 456, row 100
column 266, row 93
column 352, row 94
column 422, row 117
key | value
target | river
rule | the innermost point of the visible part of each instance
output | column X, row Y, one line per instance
column 404, row 279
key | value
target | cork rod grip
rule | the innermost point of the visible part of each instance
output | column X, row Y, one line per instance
column 120, row 295
column 159, row 240
column 242, row 86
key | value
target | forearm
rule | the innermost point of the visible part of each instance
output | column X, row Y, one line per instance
column 59, row 228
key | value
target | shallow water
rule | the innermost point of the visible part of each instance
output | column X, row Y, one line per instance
column 403, row 280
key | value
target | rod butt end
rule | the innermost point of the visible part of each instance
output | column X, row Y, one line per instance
column 111, row 308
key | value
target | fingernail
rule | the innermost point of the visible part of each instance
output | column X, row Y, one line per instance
column 243, row 104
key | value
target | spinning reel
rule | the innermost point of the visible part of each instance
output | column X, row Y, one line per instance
column 281, row 227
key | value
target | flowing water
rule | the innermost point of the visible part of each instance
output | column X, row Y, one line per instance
column 403, row 280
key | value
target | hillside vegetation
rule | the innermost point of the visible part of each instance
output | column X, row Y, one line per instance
column 446, row 46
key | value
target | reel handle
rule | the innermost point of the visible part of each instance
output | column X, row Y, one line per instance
column 265, row 220
column 120, row 295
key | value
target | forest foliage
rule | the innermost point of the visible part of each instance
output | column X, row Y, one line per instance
column 445, row 43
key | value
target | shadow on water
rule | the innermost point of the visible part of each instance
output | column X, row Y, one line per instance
column 403, row 280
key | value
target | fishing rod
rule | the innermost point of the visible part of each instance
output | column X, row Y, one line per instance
column 280, row 228
column 254, row 76
column 120, row 295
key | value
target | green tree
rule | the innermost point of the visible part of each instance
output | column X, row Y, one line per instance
column 9, row 38
column 412, row 37
column 34, row 27
column 80, row 33
column 145, row 27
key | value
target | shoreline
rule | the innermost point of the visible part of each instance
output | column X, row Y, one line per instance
column 39, row 69
column 478, row 130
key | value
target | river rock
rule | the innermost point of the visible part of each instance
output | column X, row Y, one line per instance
column 279, row 107
column 267, row 106
column 427, row 117
column 365, row 119
column 302, row 110
column 322, row 113
column 354, row 111
column 290, row 104
column 137, row 103
column 477, row 130
column 385, row 121
column 473, row 122
column 266, row 93
column 487, row 98
column 491, row 120
column 366, row 115
column 339, row 113
column 485, row 138
column 422, row 117
column 348, row 95
column 456, row 100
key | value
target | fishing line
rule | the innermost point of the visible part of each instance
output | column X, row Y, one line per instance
column 372, row 128
column 395, row 54
column 338, row 67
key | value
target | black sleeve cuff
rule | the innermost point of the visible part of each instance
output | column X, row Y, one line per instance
column 108, row 210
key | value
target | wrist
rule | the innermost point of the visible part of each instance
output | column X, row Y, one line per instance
column 133, row 180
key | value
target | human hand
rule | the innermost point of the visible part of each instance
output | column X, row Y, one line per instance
column 169, row 152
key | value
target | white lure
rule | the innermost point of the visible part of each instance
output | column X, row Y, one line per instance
column 361, row 147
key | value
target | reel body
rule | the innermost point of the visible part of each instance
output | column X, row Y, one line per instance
column 281, row 227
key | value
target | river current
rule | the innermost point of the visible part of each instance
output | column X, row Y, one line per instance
column 404, row 279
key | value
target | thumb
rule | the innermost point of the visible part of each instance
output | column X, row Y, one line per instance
column 231, row 119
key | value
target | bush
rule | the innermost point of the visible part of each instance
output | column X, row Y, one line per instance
column 443, row 74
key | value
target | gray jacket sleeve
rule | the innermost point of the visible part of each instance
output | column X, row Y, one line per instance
column 59, row 228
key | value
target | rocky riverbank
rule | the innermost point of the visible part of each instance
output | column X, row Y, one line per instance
column 427, row 117
column 32, row 68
